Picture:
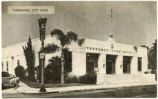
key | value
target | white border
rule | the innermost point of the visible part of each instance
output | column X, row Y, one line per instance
column 56, row 0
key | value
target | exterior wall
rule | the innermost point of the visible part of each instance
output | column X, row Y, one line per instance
column 102, row 64
column 79, row 55
column 101, row 68
column 134, row 65
column 144, row 64
column 119, row 64
column 78, row 63
column 16, row 51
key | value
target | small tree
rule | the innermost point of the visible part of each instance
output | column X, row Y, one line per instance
column 53, row 69
column 65, row 40
column 30, row 59
column 153, row 58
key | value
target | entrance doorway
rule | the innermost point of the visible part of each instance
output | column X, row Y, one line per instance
column 92, row 61
column 110, row 64
column 126, row 64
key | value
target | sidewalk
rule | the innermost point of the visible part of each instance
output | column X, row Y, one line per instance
column 23, row 88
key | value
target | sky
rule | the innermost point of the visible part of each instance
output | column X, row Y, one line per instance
column 133, row 23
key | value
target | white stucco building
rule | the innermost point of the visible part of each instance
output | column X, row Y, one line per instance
column 113, row 62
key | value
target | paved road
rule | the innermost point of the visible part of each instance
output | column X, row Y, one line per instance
column 137, row 92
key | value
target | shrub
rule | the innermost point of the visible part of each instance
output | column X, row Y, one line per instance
column 20, row 72
column 52, row 73
column 71, row 79
column 89, row 78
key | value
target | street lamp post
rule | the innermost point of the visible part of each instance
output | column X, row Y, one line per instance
column 42, row 29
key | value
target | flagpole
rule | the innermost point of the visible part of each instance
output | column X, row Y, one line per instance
column 111, row 16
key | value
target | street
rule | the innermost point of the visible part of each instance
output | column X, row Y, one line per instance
column 149, row 91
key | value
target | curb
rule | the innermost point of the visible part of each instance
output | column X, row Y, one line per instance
column 37, row 93
column 64, row 91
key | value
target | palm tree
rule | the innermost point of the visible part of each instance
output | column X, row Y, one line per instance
column 153, row 57
column 65, row 40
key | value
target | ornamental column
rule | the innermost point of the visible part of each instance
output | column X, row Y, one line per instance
column 134, row 65
column 101, row 68
column 119, row 64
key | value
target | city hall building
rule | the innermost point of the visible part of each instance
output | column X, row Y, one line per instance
column 113, row 62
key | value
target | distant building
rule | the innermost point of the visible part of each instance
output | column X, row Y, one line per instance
column 113, row 62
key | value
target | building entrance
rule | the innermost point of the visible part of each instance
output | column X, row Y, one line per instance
column 92, row 61
column 126, row 64
column 110, row 64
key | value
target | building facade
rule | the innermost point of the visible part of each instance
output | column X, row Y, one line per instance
column 113, row 62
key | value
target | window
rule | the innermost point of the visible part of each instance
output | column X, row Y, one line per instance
column 2, row 66
column 91, row 61
column 139, row 64
column 7, row 65
column 127, row 64
column 18, row 62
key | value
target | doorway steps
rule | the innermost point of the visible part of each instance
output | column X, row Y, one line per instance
column 129, row 78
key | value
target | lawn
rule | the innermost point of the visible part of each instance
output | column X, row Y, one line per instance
column 35, row 84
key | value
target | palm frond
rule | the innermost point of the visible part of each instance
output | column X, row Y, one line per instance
column 66, row 49
column 69, row 37
column 57, row 32
column 72, row 36
column 64, row 41
column 81, row 41
column 51, row 48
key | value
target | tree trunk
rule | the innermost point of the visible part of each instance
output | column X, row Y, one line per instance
column 31, row 74
column 62, row 68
